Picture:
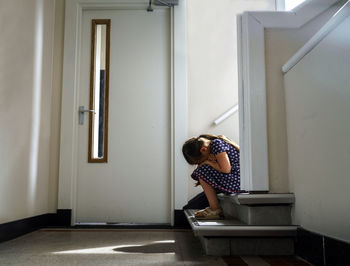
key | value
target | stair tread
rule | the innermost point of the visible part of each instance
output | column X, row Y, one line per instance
column 233, row 227
column 260, row 199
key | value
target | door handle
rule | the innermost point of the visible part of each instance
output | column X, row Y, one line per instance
column 81, row 114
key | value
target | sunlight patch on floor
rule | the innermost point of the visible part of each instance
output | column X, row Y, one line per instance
column 102, row 250
column 154, row 247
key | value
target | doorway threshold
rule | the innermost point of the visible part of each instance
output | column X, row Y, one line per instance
column 123, row 225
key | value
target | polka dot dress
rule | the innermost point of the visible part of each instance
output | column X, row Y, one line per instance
column 223, row 183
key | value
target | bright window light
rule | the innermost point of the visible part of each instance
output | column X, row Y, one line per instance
column 290, row 4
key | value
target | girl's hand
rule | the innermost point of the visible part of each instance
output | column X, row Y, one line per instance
column 221, row 162
column 213, row 164
column 212, row 158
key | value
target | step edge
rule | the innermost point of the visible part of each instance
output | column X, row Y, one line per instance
column 260, row 199
column 240, row 230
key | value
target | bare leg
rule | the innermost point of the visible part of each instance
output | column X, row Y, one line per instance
column 210, row 193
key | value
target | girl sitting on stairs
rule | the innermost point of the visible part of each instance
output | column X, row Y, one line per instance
column 218, row 169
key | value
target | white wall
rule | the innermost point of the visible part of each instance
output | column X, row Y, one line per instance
column 317, row 95
column 56, row 103
column 212, row 65
column 25, row 107
column 280, row 45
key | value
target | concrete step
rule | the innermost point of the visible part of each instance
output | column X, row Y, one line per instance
column 233, row 237
column 258, row 209
column 248, row 246
column 261, row 199
column 233, row 227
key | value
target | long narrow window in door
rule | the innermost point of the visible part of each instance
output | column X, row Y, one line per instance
column 99, row 91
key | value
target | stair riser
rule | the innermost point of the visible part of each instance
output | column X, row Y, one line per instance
column 257, row 215
column 229, row 209
column 248, row 246
column 264, row 215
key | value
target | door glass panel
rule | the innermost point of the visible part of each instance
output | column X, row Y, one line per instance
column 99, row 81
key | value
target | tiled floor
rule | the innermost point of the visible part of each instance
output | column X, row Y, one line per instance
column 116, row 247
column 105, row 247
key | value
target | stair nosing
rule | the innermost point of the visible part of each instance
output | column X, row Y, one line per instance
column 261, row 199
column 239, row 230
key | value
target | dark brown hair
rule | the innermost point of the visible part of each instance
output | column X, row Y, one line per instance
column 191, row 148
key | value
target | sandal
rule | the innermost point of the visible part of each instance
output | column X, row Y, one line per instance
column 208, row 213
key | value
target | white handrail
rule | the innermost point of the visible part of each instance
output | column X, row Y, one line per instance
column 336, row 19
column 226, row 115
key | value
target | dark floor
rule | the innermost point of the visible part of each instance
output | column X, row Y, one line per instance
column 119, row 247
column 265, row 260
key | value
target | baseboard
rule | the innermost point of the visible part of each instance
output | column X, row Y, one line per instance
column 124, row 226
column 17, row 228
column 62, row 218
column 321, row 250
column 180, row 220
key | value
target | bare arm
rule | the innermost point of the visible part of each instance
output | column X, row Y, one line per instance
column 222, row 163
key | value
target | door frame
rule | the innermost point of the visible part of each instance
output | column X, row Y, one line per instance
column 67, row 187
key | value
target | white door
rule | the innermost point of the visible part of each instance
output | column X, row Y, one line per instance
column 134, row 185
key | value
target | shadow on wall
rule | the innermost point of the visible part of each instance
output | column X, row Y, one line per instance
column 36, row 104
